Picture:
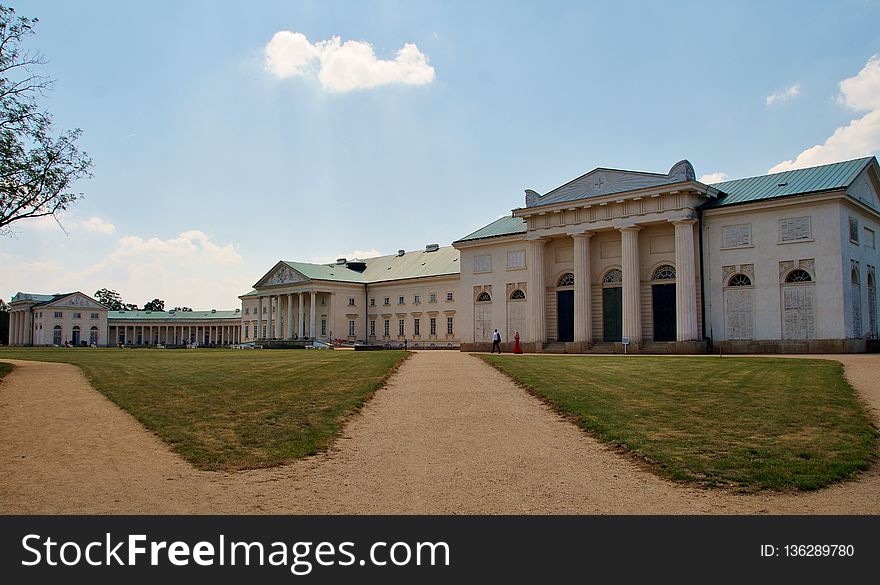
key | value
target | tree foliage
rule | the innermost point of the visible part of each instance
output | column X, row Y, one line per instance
column 155, row 305
column 183, row 309
column 110, row 299
column 37, row 166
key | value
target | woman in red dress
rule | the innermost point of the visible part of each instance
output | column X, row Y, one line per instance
column 516, row 346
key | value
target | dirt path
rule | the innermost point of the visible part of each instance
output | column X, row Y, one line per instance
column 448, row 435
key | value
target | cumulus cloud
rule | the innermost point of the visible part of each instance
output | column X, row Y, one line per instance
column 189, row 269
column 710, row 178
column 784, row 94
column 344, row 66
column 98, row 225
column 359, row 254
column 861, row 136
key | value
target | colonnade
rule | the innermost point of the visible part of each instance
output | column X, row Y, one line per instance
column 279, row 321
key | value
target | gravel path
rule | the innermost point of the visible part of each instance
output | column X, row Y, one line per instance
column 448, row 435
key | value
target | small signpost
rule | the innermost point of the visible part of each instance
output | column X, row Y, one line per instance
column 625, row 341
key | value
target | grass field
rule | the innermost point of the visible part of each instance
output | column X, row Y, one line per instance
column 740, row 423
column 4, row 369
column 224, row 409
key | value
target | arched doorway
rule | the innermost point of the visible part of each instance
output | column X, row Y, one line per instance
column 76, row 335
column 612, row 305
column 93, row 336
column 565, row 307
column 663, row 302
column 56, row 335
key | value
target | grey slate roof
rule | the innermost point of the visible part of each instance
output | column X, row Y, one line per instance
column 828, row 177
column 504, row 226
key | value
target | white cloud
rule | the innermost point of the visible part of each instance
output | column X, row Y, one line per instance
column 189, row 269
column 359, row 254
column 710, row 178
column 861, row 136
column 784, row 94
column 344, row 66
column 45, row 223
column 98, row 225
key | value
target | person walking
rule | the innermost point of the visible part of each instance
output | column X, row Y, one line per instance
column 496, row 341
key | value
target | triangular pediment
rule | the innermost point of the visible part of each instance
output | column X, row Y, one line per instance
column 76, row 300
column 866, row 186
column 281, row 273
column 602, row 181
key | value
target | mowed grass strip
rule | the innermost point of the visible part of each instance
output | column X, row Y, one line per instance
column 4, row 369
column 230, row 410
column 745, row 424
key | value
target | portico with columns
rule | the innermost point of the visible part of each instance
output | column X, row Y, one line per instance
column 609, row 257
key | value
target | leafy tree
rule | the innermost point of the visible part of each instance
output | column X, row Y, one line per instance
column 4, row 323
column 183, row 309
column 130, row 307
column 37, row 167
column 110, row 298
column 155, row 305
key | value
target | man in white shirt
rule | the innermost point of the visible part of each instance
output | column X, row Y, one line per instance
column 496, row 341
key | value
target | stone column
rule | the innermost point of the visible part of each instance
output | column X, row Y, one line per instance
column 685, row 281
column 312, row 312
column 632, row 316
column 583, row 322
column 301, row 314
column 259, row 318
column 13, row 322
column 269, row 324
column 289, row 332
column 278, row 316
column 536, row 294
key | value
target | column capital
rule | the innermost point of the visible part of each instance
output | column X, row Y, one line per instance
column 683, row 221
column 630, row 228
column 582, row 235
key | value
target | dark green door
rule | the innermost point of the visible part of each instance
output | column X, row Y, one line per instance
column 612, row 314
column 663, row 301
column 565, row 315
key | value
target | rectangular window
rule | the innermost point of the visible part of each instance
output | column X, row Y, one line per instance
column 448, row 325
column 416, row 327
column 869, row 238
column 372, row 302
column 323, row 327
column 77, row 315
column 264, row 332
column 351, row 328
column 483, row 263
column 247, row 311
column 433, row 324
column 736, row 236
column 246, row 331
column 57, row 314
column 516, row 259
column 372, row 328
column 853, row 230
column 350, row 301
column 255, row 331
column 387, row 328
column 794, row 229
column 94, row 315
column 264, row 310
column 449, row 296
column 400, row 300
column 400, row 327
column 433, row 297
column 387, row 301
column 417, row 299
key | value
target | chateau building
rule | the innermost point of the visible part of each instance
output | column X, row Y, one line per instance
column 611, row 261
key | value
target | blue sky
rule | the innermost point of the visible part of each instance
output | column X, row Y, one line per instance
column 211, row 163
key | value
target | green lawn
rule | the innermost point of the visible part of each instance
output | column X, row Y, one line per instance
column 740, row 423
column 225, row 409
column 4, row 369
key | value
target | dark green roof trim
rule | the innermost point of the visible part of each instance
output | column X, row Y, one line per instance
column 504, row 226
column 166, row 316
column 824, row 178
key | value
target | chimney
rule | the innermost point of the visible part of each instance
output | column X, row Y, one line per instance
column 401, row 252
column 341, row 260
column 432, row 247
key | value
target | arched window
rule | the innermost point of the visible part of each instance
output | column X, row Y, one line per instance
column 517, row 295
column 856, row 281
column 664, row 272
column 739, row 280
column 93, row 336
column 566, row 279
column 613, row 276
column 854, row 277
column 872, row 304
column 56, row 335
column 484, row 297
column 798, row 275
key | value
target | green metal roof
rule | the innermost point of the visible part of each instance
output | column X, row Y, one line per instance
column 418, row 264
column 23, row 296
column 789, row 183
column 166, row 316
column 504, row 226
